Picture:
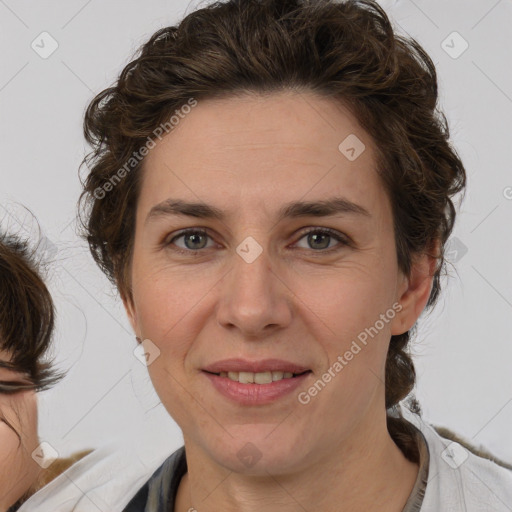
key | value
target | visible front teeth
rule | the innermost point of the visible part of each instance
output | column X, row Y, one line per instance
column 278, row 375
column 256, row 378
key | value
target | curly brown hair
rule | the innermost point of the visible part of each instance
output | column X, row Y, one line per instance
column 346, row 51
column 27, row 314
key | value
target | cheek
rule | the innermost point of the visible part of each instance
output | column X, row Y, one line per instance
column 166, row 317
column 350, row 315
column 20, row 412
column 162, row 294
column 29, row 409
column 346, row 302
column 18, row 430
column 19, row 418
column 9, row 443
column 168, row 305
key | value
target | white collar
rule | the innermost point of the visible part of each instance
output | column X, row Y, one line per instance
column 459, row 480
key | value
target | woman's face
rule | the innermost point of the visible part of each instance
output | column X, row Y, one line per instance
column 18, row 438
column 266, row 281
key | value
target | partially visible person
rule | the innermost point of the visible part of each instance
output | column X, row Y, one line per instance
column 27, row 318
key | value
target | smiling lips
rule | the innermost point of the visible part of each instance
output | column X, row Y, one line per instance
column 257, row 378
column 255, row 382
column 256, row 372
column 262, row 366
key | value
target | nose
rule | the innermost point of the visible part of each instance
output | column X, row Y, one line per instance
column 253, row 298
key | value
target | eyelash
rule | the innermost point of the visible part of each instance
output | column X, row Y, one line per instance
column 344, row 241
column 10, row 388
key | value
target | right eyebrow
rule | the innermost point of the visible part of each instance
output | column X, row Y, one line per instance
column 178, row 207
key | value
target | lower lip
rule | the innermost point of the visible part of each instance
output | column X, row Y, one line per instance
column 255, row 394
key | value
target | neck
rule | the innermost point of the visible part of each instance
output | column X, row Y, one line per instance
column 367, row 472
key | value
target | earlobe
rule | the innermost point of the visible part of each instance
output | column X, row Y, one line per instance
column 415, row 292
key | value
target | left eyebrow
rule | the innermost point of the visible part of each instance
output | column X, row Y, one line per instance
column 325, row 208
column 296, row 209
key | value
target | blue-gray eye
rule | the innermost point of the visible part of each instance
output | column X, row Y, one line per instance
column 319, row 239
column 192, row 240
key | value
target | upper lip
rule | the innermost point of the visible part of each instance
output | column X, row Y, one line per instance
column 263, row 365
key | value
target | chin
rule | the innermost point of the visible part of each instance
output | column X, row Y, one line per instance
column 258, row 450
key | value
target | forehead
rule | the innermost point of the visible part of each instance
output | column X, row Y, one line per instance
column 255, row 149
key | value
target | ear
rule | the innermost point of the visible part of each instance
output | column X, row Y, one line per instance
column 414, row 290
column 130, row 312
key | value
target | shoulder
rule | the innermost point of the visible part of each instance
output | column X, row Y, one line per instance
column 108, row 477
column 460, row 479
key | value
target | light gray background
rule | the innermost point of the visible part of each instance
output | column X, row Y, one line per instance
column 463, row 349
